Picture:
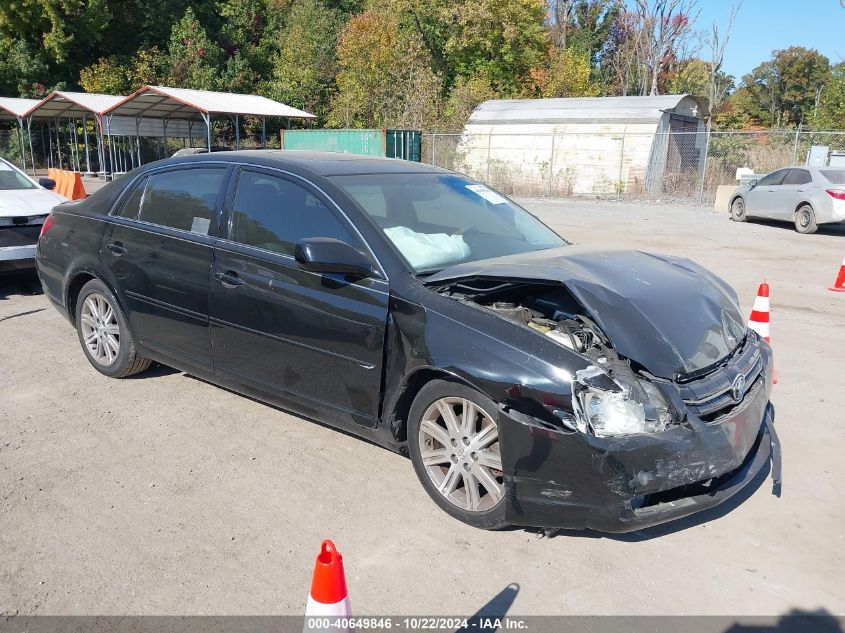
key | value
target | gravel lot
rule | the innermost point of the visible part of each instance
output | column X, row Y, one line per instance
column 167, row 495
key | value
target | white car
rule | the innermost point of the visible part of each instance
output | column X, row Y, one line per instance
column 806, row 196
column 24, row 205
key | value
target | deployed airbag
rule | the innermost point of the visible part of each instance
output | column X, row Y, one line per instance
column 428, row 250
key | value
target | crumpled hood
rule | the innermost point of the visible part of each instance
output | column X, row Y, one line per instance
column 26, row 202
column 667, row 313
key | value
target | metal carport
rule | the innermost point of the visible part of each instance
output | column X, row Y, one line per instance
column 14, row 109
column 72, row 106
column 186, row 105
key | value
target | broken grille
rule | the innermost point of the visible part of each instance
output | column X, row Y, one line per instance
column 713, row 396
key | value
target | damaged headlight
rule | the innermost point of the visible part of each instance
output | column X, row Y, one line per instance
column 617, row 406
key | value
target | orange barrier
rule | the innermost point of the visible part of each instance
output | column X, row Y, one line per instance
column 77, row 190
column 68, row 183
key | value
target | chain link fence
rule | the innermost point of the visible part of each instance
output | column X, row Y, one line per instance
column 680, row 166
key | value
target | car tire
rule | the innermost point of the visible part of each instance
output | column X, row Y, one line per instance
column 738, row 213
column 104, row 333
column 454, row 456
column 805, row 220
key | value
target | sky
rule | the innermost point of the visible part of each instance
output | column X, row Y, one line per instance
column 766, row 25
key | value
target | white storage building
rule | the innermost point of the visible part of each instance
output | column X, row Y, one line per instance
column 586, row 146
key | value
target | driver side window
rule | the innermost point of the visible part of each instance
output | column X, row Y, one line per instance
column 775, row 178
column 273, row 213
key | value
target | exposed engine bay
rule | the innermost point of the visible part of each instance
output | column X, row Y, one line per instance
column 549, row 310
column 612, row 396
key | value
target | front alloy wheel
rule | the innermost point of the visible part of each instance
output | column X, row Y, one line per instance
column 456, row 452
column 460, row 451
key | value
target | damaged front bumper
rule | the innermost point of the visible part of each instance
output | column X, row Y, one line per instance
column 566, row 479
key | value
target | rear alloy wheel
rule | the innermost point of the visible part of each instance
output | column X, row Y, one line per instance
column 104, row 333
column 738, row 210
column 805, row 220
column 454, row 445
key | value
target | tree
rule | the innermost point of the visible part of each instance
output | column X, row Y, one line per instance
column 591, row 24
column 831, row 113
column 664, row 24
column 464, row 97
column 562, row 14
column 717, row 88
column 568, row 75
column 194, row 59
column 121, row 77
column 304, row 69
column 692, row 76
column 20, row 68
column 785, row 89
column 385, row 77
column 498, row 39
column 619, row 57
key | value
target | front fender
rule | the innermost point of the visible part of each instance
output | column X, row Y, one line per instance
column 508, row 363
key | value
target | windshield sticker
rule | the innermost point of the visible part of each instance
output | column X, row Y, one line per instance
column 488, row 194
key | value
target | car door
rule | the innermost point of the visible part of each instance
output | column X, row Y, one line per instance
column 794, row 190
column 158, row 251
column 762, row 200
column 317, row 339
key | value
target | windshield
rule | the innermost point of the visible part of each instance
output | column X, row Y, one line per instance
column 11, row 178
column 438, row 220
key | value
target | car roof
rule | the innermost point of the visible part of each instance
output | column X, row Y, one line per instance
column 322, row 163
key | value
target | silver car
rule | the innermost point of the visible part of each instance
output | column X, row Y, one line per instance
column 806, row 196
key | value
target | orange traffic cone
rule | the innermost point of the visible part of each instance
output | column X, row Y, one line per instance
column 759, row 320
column 839, row 284
column 328, row 595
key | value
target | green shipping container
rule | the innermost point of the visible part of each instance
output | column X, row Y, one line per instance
column 405, row 144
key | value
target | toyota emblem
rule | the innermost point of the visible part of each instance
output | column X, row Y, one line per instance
column 738, row 388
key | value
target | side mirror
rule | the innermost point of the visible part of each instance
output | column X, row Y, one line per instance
column 47, row 183
column 328, row 255
column 752, row 183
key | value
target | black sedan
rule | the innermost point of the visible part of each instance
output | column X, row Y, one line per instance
column 532, row 382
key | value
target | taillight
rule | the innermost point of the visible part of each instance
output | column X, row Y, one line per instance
column 839, row 194
column 49, row 221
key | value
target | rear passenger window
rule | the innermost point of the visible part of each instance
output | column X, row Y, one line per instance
column 798, row 177
column 274, row 214
column 132, row 207
column 183, row 199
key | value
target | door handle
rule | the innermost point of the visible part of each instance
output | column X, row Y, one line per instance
column 117, row 248
column 800, row 190
column 229, row 279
